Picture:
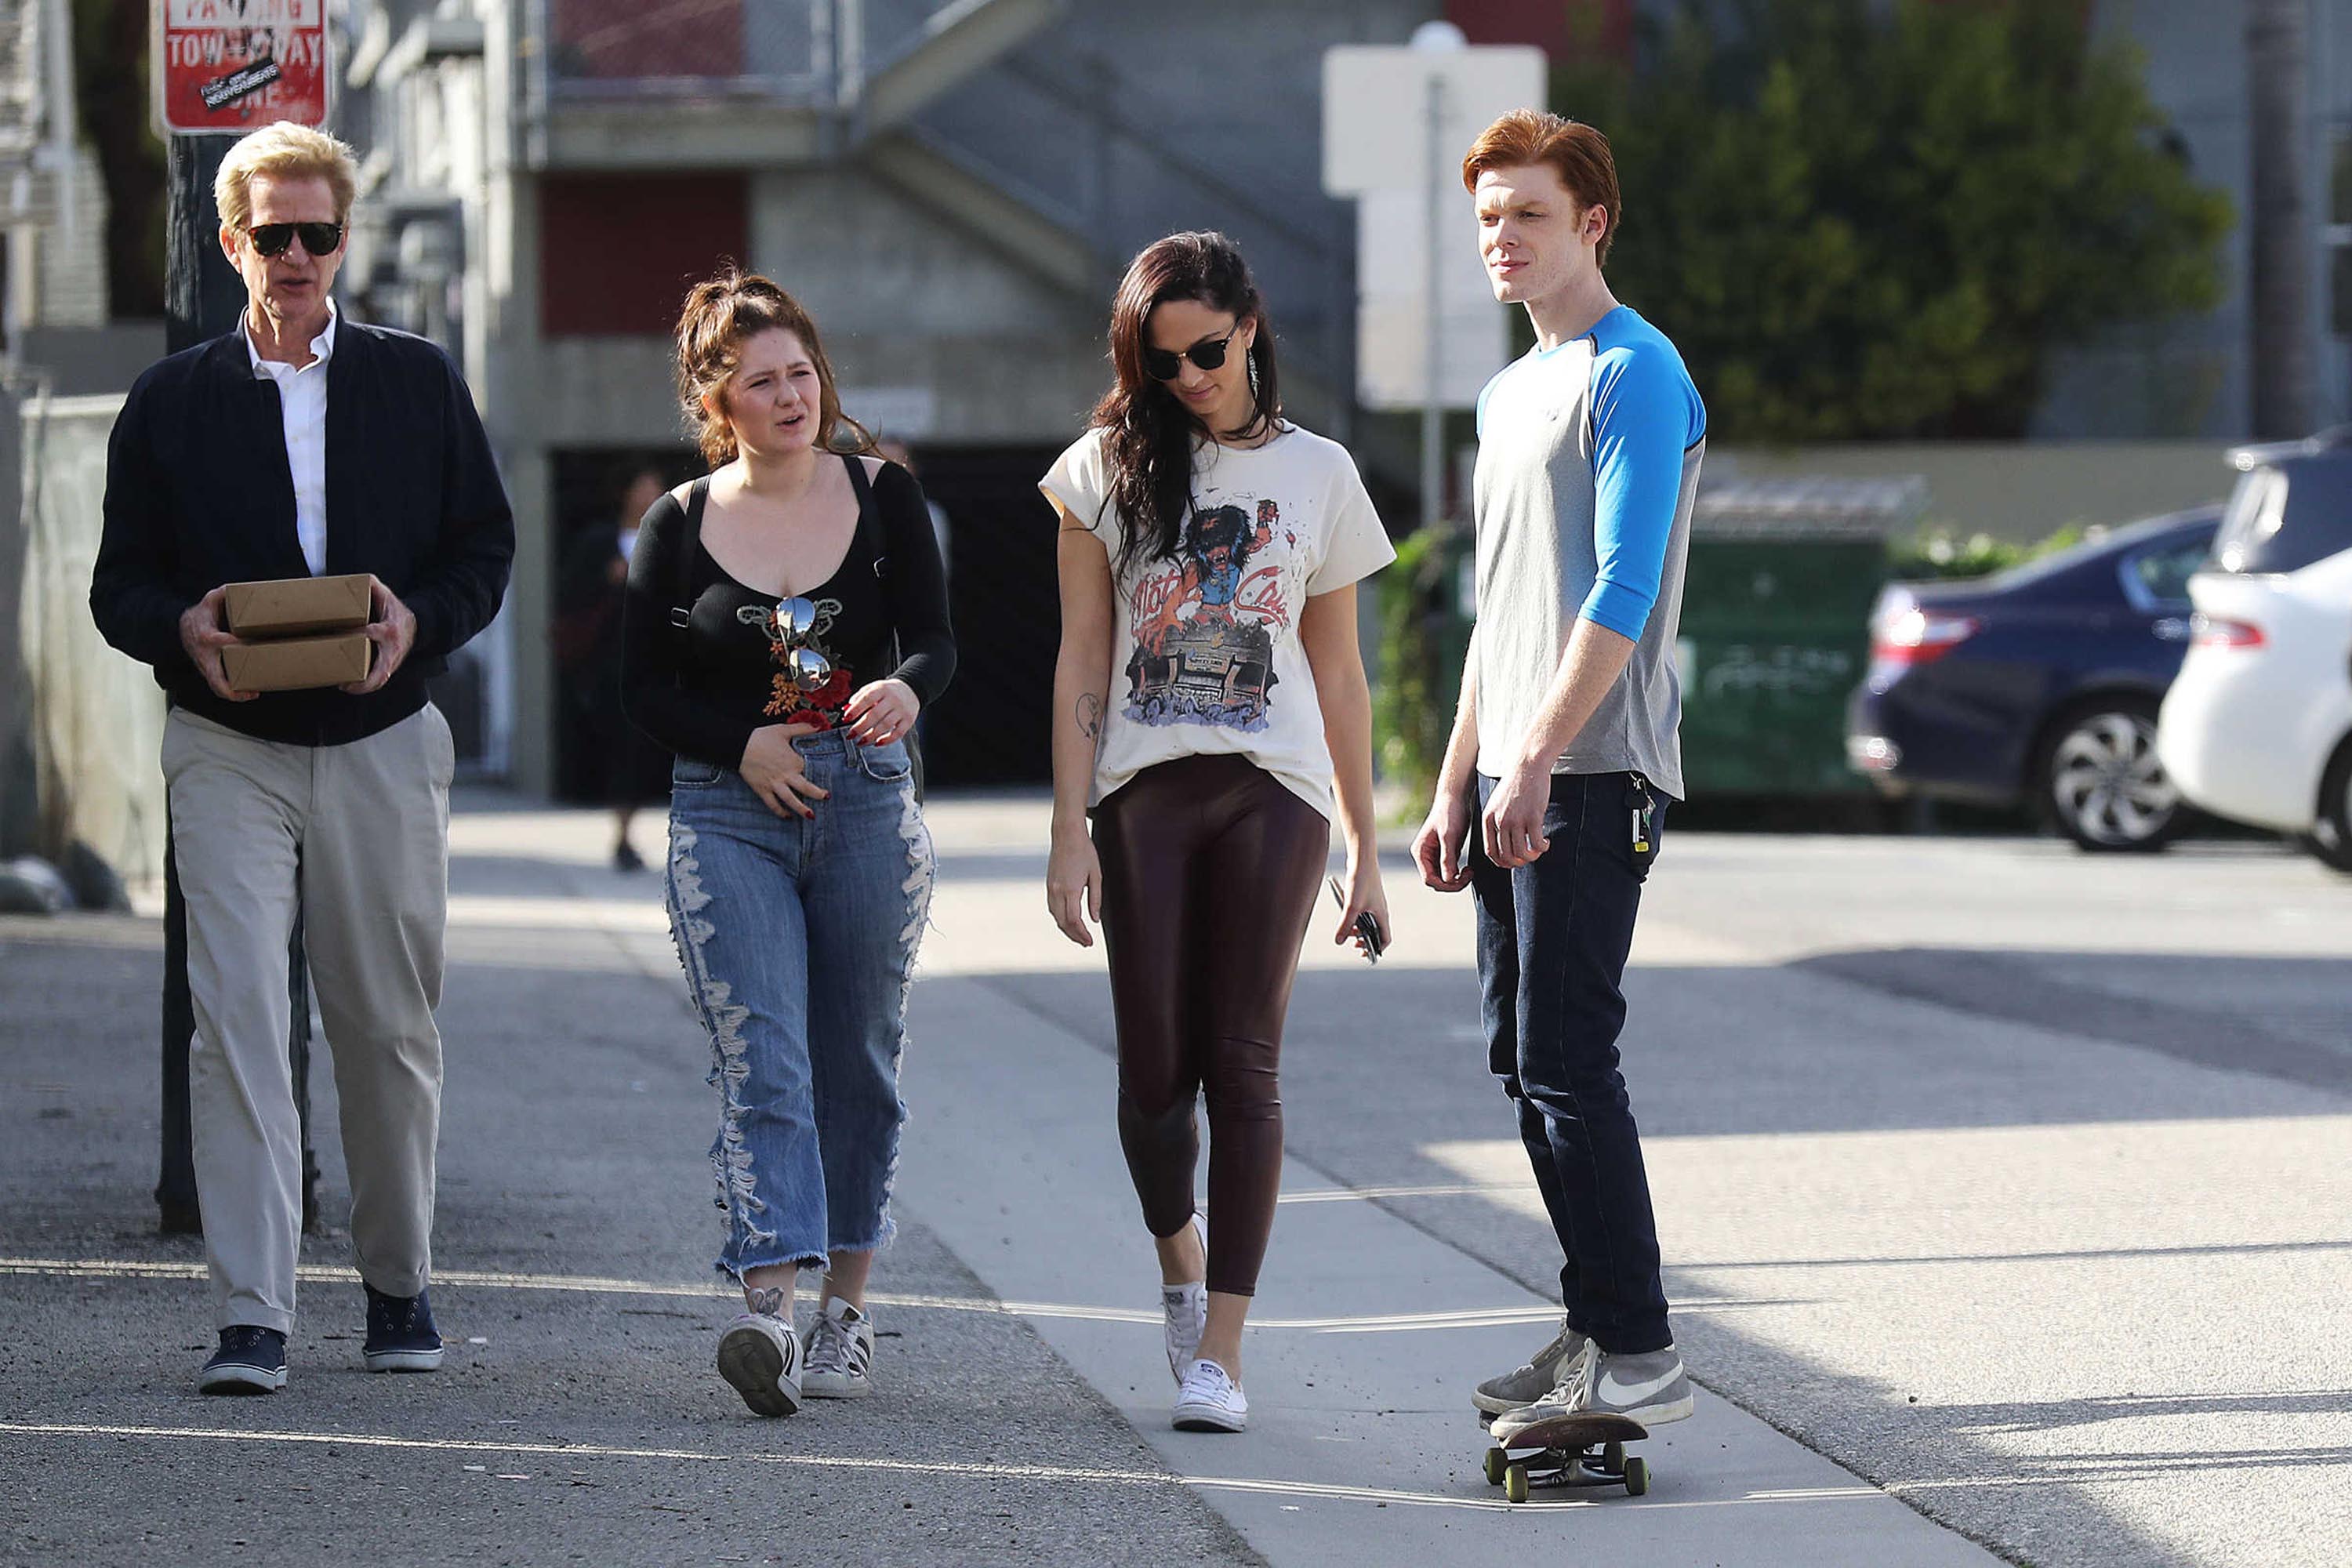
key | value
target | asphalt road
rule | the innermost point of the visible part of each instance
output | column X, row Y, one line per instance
column 578, row 1418
column 2011, row 1183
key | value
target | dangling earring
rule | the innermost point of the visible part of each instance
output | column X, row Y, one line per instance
column 1250, row 360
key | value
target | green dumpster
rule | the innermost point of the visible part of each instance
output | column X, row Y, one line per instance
column 1775, row 629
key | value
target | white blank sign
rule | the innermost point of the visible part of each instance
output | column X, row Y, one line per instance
column 1375, row 148
column 1375, row 100
column 1473, row 330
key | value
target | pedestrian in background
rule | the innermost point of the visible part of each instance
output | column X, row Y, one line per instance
column 627, row 770
column 1209, row 693
column 297, row 445
column 1565, row 749
column 785, row 623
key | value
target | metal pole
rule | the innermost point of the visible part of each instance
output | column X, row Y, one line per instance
column 1432, row 414
column 201, row 292
column 2279, row 237
column 203, row 297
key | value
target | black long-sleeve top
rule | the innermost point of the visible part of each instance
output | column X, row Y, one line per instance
column 702, row 689
column 199, row 493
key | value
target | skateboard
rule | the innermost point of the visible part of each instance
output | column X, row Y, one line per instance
column 1583, row 1450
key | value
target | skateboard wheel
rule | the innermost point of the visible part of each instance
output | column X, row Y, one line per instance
column 1514, row 1483
column 1612, row 1456
column 1637, row 1477
column 1498, row 1462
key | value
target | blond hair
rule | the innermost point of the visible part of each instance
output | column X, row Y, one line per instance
column 284, row 151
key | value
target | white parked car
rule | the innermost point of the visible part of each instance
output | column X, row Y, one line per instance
column 2258, row 724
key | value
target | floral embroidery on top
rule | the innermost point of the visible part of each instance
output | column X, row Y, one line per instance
column 821, row 707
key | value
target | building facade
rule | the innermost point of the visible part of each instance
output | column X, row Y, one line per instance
column 951, row 188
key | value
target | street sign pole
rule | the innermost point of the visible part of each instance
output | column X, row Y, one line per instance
column 220, row 70
column 202, row 297
column 1433, row 411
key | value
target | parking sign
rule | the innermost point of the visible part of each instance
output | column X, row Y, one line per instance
column 236, row 65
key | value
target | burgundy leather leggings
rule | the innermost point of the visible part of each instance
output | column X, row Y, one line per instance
column 1210, row 871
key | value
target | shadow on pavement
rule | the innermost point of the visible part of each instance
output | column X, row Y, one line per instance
column 574, row 1421
column 1382, row 1065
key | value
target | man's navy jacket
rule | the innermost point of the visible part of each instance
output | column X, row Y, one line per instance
column 199, row 493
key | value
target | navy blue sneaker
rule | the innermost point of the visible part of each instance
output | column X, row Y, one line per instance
column 400, row 1336
column 251, row 1360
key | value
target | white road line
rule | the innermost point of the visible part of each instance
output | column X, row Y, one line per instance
column 1321, row 1492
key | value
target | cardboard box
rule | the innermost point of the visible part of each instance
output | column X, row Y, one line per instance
column 298, row 664
column 297, row 606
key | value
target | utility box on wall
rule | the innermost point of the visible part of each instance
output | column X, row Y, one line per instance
column 1775, row 630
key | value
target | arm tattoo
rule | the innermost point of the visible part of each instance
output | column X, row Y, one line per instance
column 767, row 1301
column 1090, row 716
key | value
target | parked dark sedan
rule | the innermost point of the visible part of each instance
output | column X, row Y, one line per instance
column 2038, row 685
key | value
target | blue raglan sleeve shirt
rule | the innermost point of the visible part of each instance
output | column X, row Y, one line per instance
column 1645, row 416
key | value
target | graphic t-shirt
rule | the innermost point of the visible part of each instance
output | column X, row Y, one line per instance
column 1206, row 651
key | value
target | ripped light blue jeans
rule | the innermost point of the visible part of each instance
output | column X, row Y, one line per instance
column 798, row 936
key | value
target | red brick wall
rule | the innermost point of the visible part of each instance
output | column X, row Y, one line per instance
column 618, row 252
column 1563, row 29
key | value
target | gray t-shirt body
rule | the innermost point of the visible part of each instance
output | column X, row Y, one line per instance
column 1589, row 458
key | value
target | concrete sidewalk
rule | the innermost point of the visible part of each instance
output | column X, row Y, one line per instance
column 2053, row 1264
column 578, row 1420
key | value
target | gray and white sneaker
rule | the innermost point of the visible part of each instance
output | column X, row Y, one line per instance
column 1538, row 1376
column 840, row 1359
column 1185, row 1309
column 1652, row 1388
column 760, row 1356
column 1209, row 1400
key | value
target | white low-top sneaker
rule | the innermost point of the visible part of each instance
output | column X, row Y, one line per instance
column 1185, row 1309
column 760, row 1356
column 1209, row 1400
column 840, row 1361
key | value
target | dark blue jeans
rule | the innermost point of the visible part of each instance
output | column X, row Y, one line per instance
column 1552, row 941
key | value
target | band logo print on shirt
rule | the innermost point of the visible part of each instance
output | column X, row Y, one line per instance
column 1204, row 624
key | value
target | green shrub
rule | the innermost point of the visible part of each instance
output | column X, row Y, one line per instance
column 1939, row 551
column 1423, row 637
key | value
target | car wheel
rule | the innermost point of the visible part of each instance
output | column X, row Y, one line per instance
column 2331, row 837
column 2101, row 783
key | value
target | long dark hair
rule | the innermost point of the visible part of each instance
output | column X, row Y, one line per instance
column 1149, row 432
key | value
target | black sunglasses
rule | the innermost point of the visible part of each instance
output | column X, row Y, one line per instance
column 1209, row 353
column 318, row 238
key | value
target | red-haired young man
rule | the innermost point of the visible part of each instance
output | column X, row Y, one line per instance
column 1564, row 751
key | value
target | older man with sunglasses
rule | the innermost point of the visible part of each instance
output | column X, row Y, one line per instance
column 301, row 445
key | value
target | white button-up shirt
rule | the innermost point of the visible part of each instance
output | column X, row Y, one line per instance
column 302, row 398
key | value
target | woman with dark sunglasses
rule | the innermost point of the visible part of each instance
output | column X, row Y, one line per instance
column 785, row 621
column 1210, row 695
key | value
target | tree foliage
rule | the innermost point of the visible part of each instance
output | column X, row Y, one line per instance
column 110, row 40
column 1864, row 220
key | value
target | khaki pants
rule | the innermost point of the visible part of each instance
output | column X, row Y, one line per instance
column 365, row 829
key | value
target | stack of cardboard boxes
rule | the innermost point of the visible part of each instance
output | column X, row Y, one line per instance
column 297, row 632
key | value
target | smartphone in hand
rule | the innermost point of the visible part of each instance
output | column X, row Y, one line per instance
column 1367, row 930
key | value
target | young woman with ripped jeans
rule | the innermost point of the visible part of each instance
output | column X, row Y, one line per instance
column 785, row 622
column 1209, row 697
